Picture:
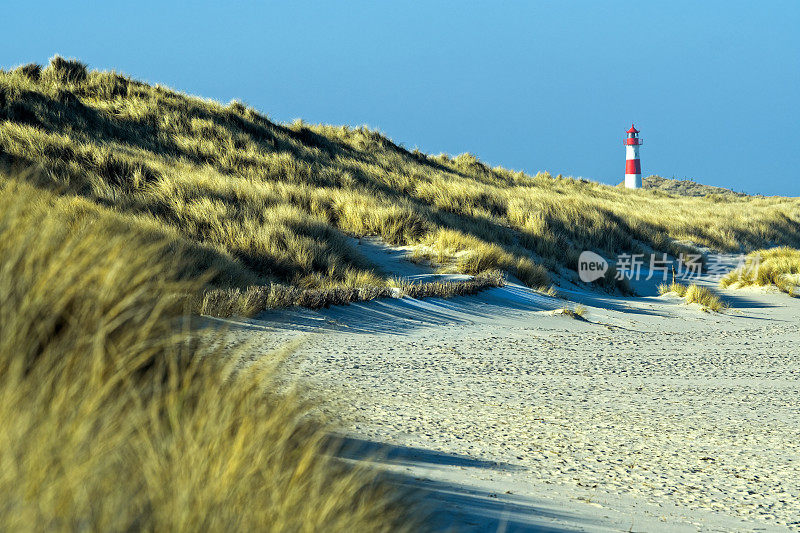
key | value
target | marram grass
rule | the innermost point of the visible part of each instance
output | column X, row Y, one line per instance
column 248, row 302
column 674, row 287
column 702, row 296
column 694, row 294
column 116, row 416
column 268, row 203
column 778, row 267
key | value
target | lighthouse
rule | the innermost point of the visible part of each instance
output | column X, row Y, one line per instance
column 633, row 169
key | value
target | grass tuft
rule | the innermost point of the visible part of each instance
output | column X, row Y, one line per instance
column 707, row 300
column 694, row 294
column 578, row 312
column 32, row 71
column 673, row 287
column 778, row 267
column 65, row 71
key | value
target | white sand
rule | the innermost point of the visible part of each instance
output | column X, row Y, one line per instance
column 650, row 416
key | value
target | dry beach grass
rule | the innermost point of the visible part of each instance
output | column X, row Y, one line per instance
column 248, row 302
column 777, row 267
column 116, row 414
column 261, row 203
column 694, row 294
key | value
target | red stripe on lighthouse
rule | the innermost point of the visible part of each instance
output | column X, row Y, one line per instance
column 632, row 166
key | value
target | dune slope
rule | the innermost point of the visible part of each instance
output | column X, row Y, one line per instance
column 261, row 201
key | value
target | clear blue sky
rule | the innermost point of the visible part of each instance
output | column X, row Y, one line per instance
column 712, row 85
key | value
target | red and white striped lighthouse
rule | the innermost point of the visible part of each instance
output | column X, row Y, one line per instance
column 633, row 169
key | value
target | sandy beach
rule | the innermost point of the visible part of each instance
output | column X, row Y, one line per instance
column 647, row 415
column 426, row 267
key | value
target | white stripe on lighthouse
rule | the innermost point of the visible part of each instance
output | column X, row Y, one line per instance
column 633, row 181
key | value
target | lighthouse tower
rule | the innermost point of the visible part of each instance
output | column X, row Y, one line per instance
column 633, row 169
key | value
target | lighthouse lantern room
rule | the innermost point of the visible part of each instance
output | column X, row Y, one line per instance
column 633, row 168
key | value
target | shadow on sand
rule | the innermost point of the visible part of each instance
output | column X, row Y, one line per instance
column 396, row 316
column 361, row 449
column 453, row 506
column 503, row 306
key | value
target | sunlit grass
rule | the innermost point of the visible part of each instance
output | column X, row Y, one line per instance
column 577, row 312
column 778, row 267
column 268, row 203
column 694, row 294
column 117, row 415
column 677, row 288
column 702, row 296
